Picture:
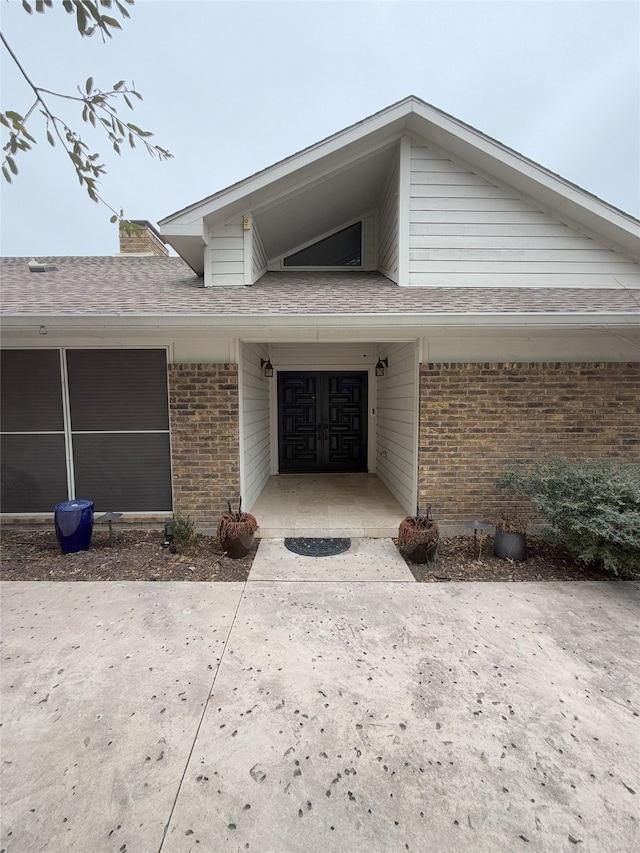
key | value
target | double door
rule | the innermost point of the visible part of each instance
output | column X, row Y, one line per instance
column 322, row 420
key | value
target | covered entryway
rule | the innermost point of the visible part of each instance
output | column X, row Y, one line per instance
column 327, row 412
column 322, row 418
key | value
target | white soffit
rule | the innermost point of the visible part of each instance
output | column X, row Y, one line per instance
column 344, row 196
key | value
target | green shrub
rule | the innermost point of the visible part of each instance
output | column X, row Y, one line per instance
column 591, row 506
column 184, row 532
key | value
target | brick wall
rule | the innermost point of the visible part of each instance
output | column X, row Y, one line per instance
column 474, row 418
column 205, row 447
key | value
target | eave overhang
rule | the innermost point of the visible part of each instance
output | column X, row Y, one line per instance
column 244, row 322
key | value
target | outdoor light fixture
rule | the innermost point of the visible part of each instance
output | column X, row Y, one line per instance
column 381, row 365
column 268, row 367
column 43, row 330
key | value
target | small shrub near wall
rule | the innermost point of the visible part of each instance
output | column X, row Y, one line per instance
column 591, row 506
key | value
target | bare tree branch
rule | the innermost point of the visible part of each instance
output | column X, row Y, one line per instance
column 99, row 107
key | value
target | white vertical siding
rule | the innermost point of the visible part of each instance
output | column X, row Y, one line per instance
column 465, row 230
column 226, row 255
column 369, row 242
column 255, row 466
column 396, row 418
column 259, row 257
column 388, row 228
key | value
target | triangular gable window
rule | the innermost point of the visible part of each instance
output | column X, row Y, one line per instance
column 342, row 249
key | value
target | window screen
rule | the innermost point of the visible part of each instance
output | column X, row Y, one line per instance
column 34, row 473
column 123, row 472
column 117, row 427
column 120, row 428
column 31, row 391
column 118, row 389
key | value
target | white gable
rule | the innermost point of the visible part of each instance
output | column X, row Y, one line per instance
column 468, row 231
column 443, row 205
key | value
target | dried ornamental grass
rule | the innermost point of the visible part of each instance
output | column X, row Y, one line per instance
column 234, row 524
column 418, row 530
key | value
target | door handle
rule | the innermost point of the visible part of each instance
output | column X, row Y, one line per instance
column 326, row 432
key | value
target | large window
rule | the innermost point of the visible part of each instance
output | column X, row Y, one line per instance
column 342, row 249
column 103, row 434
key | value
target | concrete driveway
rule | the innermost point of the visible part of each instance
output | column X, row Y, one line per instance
column 320, row 715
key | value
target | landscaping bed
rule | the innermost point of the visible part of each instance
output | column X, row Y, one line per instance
column 455, row 561
column 33, row 554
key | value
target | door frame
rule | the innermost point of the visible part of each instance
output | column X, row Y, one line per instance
column 323, row 367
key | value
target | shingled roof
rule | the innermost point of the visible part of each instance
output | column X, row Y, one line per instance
column 148, row 286
column 143, row 286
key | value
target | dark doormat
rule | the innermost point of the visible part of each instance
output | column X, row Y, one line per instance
column 314, row 547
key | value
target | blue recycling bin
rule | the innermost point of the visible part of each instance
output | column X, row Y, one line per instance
column 74, row 525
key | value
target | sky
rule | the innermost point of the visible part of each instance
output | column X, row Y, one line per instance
column 232, row 87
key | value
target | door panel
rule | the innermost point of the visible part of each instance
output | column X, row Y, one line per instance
column 322, row 420
column 300, row 419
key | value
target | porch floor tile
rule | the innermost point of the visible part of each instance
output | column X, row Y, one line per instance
column 354, row 505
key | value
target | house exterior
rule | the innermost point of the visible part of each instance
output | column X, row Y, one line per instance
column 432, row 305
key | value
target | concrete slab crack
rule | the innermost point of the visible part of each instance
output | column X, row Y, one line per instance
column 200, row 721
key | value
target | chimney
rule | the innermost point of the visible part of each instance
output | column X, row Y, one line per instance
column 143, row 239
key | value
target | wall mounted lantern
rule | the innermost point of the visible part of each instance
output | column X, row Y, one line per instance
column 381, row 365
column 268, row 367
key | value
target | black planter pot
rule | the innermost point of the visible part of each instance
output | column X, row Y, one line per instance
column 510, row 546
column 238, row 546
column 422, row 552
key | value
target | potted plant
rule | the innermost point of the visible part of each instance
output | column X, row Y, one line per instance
column 236, row 532
column 510, row 541
column 418, row 537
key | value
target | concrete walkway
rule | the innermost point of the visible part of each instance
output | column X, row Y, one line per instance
column 313, row 714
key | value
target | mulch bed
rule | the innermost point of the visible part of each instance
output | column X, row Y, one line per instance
column 137, row 555
column 455, row 561
column 33, row 554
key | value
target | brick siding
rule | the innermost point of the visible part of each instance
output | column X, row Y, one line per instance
column 141, row 241
column 474, row 418
column 205, row 445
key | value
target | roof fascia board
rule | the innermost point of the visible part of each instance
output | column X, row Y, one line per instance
column 389, row 125
column 560, row 213
column 188, row 229
column 244, row 322
column 560, row 197
column 178, row 235
column 259, row 203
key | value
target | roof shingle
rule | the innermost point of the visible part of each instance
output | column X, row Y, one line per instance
column 139, row 286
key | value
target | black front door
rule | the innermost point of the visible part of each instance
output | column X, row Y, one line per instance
column 322, row 420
